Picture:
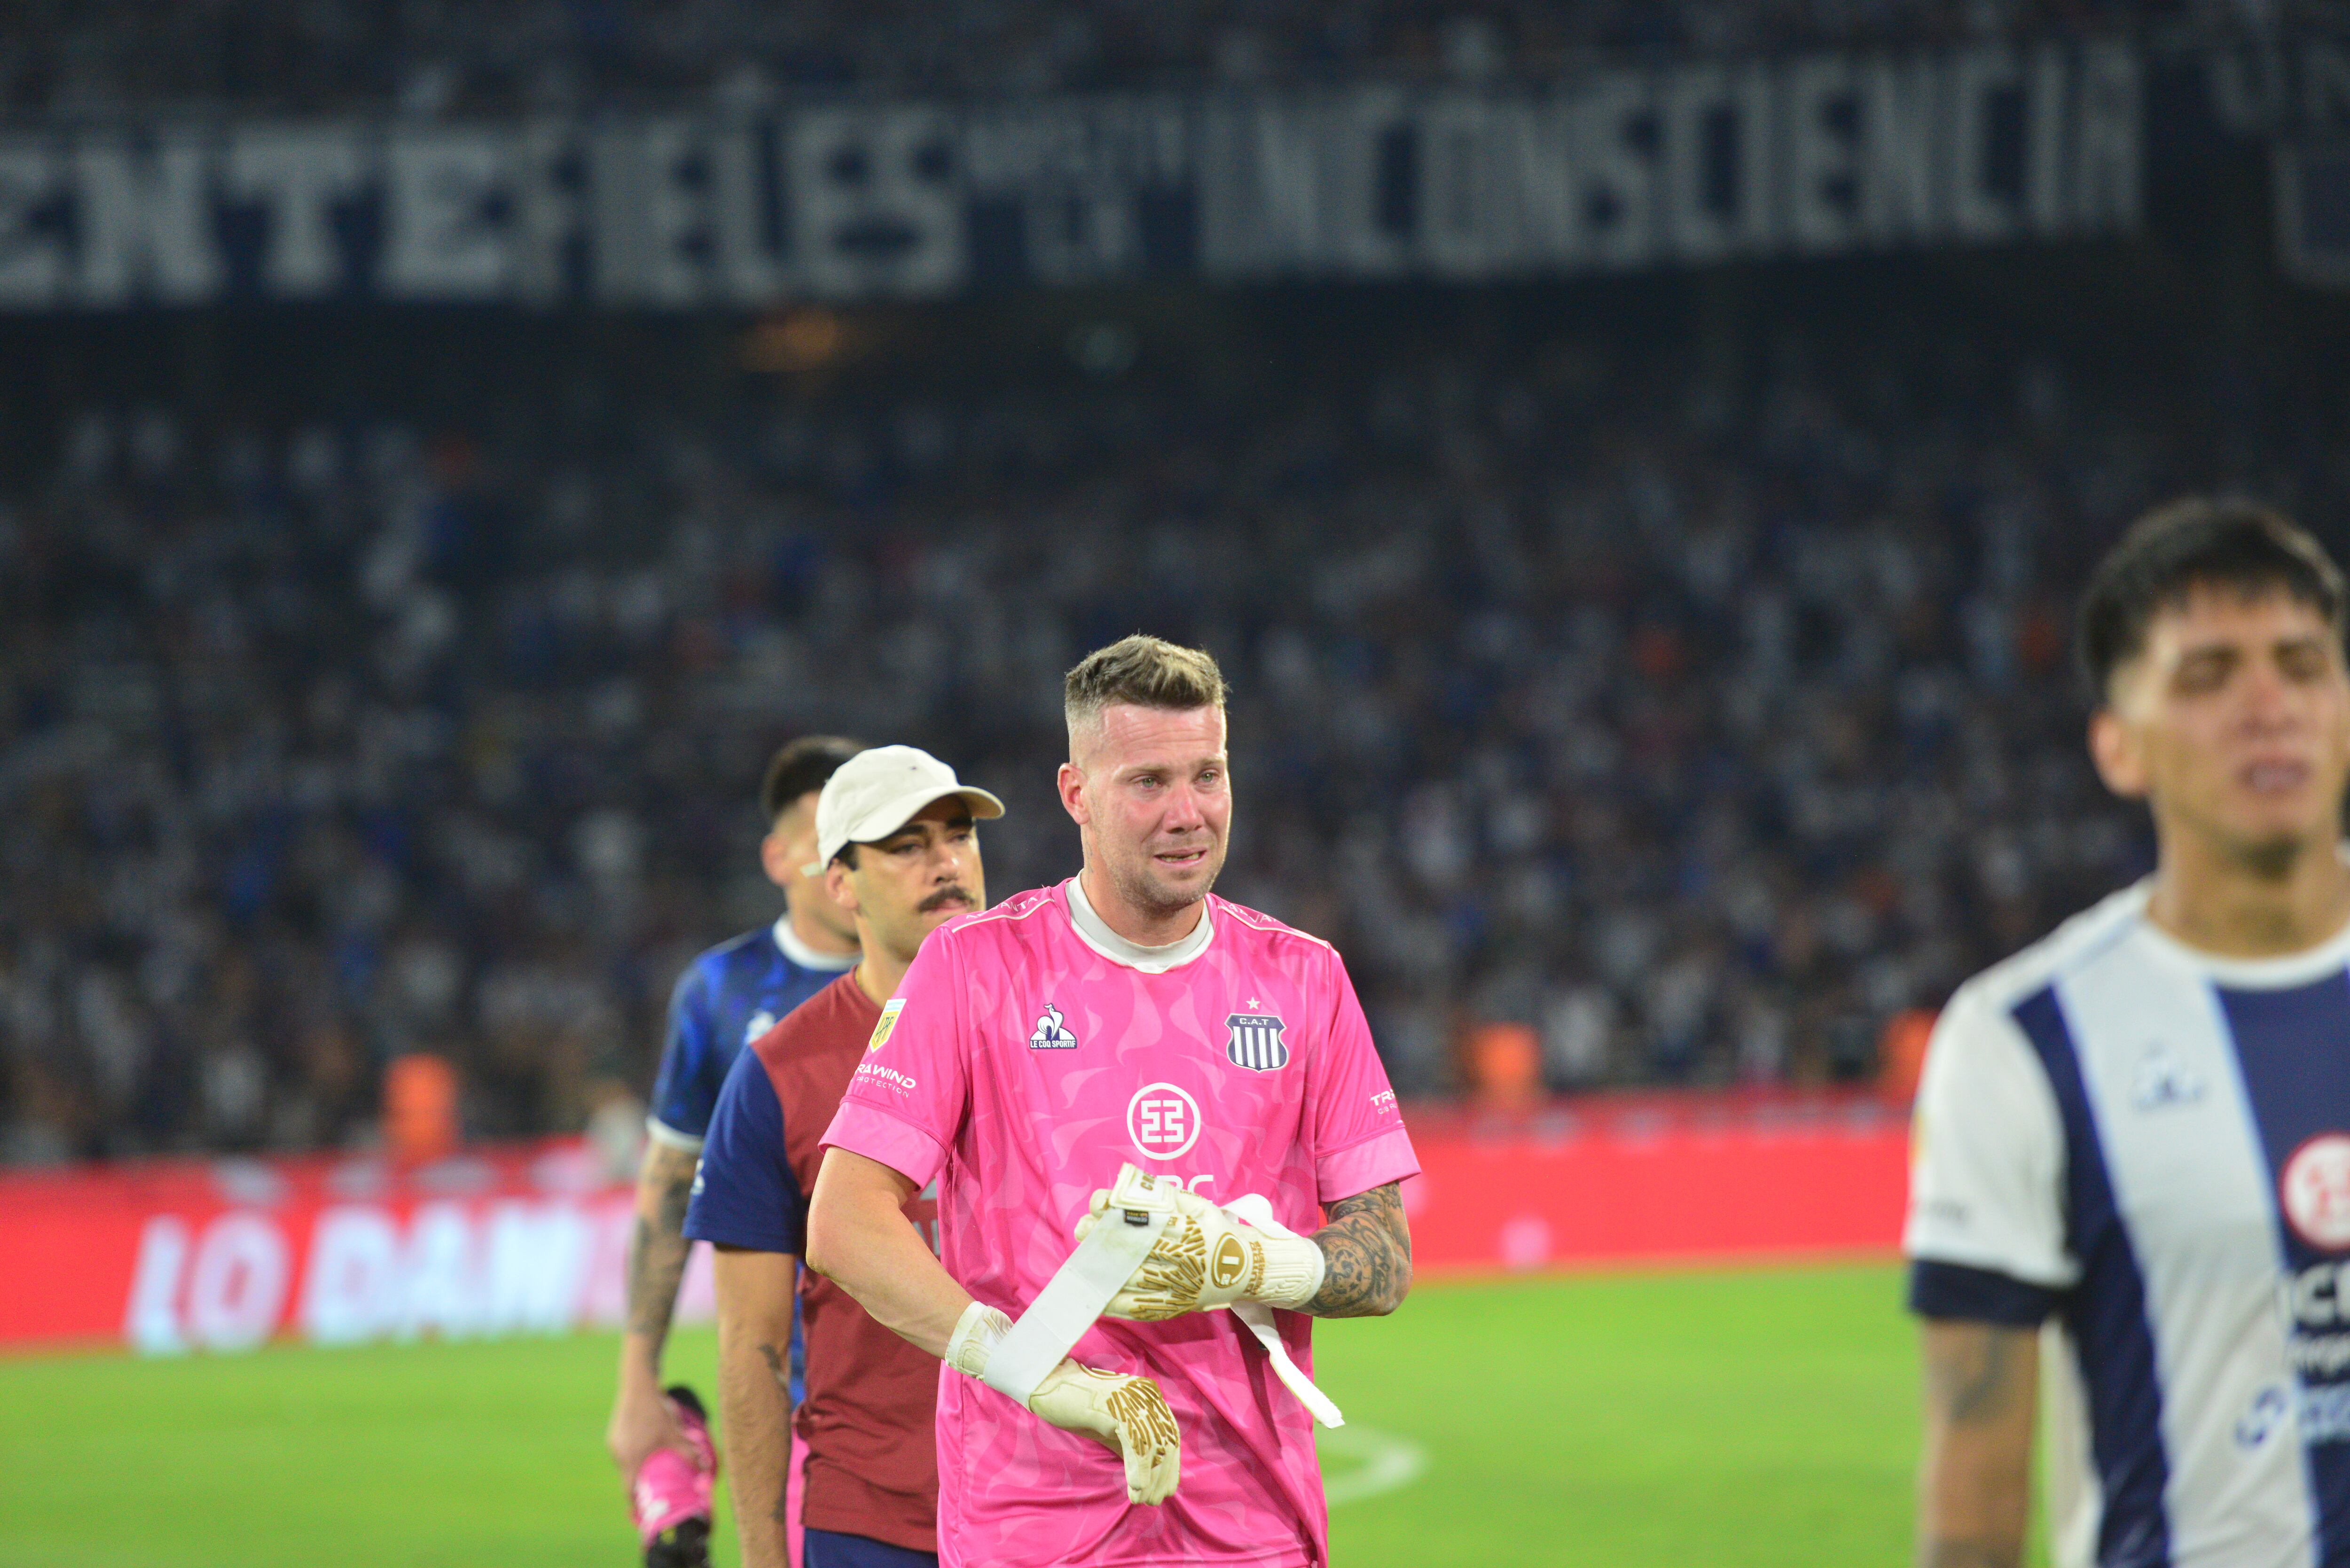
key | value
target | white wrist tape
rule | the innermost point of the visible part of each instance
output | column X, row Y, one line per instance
column 1012, row 1358
column 1070, row 1302
column 1257, row 1209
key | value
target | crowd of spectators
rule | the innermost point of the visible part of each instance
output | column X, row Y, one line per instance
column 1704, row 734
column 428, row 57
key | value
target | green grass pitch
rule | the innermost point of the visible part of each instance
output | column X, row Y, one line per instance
column 1737, row 1419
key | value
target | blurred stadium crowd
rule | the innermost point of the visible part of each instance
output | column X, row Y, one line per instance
column 428, row 57
column 1704, row 739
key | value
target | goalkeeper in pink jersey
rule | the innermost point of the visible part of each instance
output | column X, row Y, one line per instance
column 1124, row 1018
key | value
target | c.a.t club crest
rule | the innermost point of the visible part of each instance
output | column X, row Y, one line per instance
column 1255, row 1042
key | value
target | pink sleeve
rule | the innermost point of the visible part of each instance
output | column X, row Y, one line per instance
column 905, row 1103
column 1358, row 1137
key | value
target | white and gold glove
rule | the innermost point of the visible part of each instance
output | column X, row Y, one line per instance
column 1206, row 1257
column 1126, row 1415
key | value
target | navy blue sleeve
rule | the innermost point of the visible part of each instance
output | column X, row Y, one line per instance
column 1978, row 1295
column 683, row 1092
column 744, row 1194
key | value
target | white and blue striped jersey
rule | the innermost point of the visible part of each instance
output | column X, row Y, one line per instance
column 2147, row 1149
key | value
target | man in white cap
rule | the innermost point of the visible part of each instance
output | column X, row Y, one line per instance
column 898, row 847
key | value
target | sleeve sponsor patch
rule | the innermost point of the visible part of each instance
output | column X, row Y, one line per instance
column 885, row 1023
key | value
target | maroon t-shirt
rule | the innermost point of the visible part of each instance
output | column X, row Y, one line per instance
column 869, row 1420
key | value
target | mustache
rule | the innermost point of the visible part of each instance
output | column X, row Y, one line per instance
column 945, row 896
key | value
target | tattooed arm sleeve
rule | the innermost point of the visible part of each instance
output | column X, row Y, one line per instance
column 1366, row 1256
column 657, row 1249
column 641, row 1420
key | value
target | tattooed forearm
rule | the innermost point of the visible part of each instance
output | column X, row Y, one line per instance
column 1972, row 1377
column 1366, row 1256
column 657, row 1247
column 776, row 1367
column 1974, row 1482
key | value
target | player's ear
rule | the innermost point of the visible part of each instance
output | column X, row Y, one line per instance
column 836, row 883
column 2115, row 748
column 776, row 857
column 1071, row 782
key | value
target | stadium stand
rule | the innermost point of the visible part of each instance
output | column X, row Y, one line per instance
column 1703, row 738
column 1685, row 693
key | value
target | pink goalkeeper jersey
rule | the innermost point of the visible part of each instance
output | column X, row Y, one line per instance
column 1029, row 1054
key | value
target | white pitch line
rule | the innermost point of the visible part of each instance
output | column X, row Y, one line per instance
column 1386, row 1462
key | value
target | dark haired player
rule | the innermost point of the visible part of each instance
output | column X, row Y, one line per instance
column 2133, row 1141
column 726, row 998
column 895, row 837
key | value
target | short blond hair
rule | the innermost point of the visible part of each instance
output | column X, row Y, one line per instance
column 1144, row 672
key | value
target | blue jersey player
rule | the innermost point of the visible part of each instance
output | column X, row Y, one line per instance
column 727, row 996
column 2131, row 1199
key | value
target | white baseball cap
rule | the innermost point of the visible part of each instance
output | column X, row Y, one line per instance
column 875, row 793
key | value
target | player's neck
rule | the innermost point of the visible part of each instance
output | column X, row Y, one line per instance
column 815, row 934
column 879, row 972
column 1143, row 928
column 2217, row 902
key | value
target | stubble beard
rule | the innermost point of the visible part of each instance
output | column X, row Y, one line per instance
column 1142, row 888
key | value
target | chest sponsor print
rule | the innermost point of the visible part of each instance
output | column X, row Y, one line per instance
column 2315, row 1191
column 1254, row 1042
column 1163, row 1121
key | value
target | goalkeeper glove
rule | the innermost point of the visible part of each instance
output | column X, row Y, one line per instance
column 1206, row 1257
column 1126, row 1415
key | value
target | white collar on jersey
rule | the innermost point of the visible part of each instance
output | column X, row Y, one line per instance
column 1095, row 932
column 2328, row 956
column 806, row 957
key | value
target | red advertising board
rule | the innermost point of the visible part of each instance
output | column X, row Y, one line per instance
column 224, row 1256
column 1657, row 1179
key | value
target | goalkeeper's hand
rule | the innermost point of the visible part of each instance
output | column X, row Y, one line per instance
column 1126, row 1415
column 1206, row 1257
